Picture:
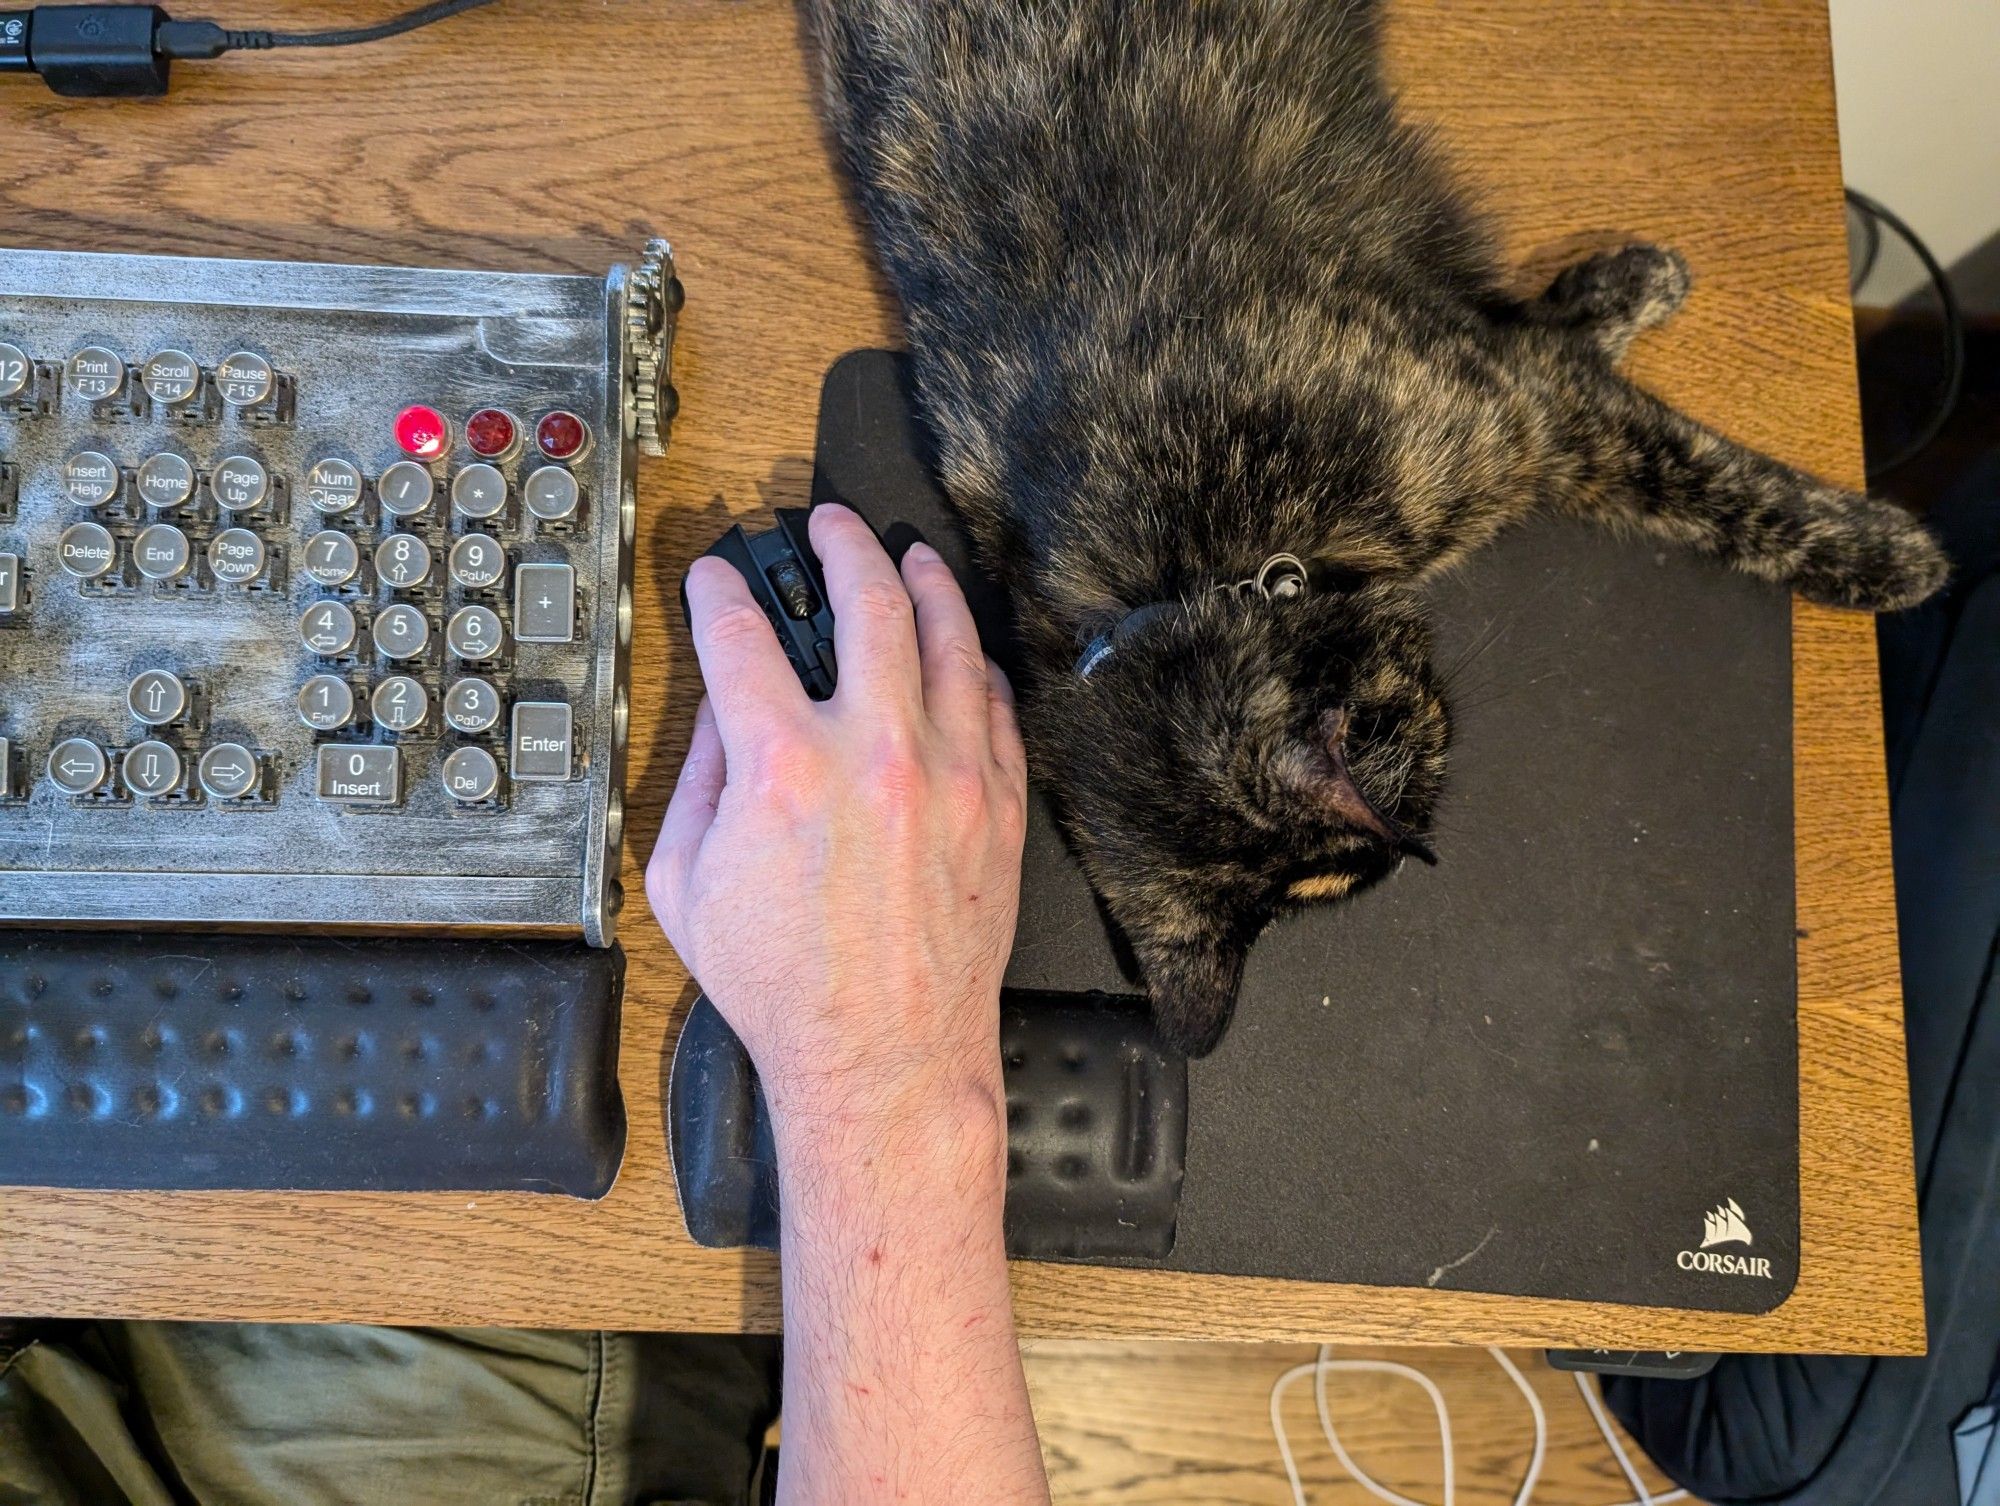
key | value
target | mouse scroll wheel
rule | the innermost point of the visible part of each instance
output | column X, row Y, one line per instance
column 788, row 579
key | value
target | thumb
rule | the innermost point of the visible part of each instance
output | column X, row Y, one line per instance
column 690, row 813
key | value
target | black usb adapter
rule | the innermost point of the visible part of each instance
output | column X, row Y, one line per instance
column 128, row 51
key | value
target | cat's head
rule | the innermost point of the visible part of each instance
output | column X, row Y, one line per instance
column 1231, row 757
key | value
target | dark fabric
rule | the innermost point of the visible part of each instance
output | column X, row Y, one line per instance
column 1820, row 1431
column 194, row 1414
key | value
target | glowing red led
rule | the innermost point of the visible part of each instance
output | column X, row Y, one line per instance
column 561, row 436
column 491, row 433
column 422, row 432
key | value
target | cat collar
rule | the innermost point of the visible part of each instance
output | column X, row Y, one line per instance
column 1280, row 578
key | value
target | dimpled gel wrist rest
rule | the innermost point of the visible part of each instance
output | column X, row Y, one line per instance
column 196, row 1061
column 1096, row 1132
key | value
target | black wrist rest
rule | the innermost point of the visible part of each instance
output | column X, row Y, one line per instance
column 200, row 1061
column 1096, row 1131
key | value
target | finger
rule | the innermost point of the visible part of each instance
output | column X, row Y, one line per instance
column 1005, row 729
column 690, row 813
column 874, row 625
column 748, row 676
column 954, row 669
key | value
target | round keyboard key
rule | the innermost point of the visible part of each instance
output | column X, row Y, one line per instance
column 171, row 378
column 492, row 434
column 406, row 489
column 471, row 775
column 551, row 494
column 422, row 431
column 478, row 562
column 166, row 480
column 474, row 633
column 236, row 556
column 333, row 485
column 400, row 704
column 86, row 550
column 16, row 371
column 245, row 379
column 327, row 628
column 472, row 706
column 331, row 558
column 90, row 478
column 240, row 483
column 161, row 552
column 157, row 698
column 326, row 703
column 562, row 436
column 94, row 374
column 401, row 632
column 151, row 769
column 77, row 766
column 403, row 560
column 227, row 771
column 478, row 491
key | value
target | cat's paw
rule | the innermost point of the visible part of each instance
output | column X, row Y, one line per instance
column 1871, row 556
column 1616, row 295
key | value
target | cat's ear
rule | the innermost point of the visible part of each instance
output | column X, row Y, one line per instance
column 1330, row 785
column 1193, row 982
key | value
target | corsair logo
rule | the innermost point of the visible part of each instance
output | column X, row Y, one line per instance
column 1724, row 1225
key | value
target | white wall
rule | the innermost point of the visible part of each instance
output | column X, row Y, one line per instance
column 1919, row 86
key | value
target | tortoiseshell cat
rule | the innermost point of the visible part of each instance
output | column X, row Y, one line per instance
column 1184, row 295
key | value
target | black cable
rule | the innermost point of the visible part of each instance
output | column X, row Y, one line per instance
column 1954, row 321
column 127, row 50
column 395, row 26
column 1871, row 250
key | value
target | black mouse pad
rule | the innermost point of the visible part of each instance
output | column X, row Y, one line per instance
column 1563, row 1063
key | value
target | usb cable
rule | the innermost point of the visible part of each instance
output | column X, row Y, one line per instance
column 128, row 51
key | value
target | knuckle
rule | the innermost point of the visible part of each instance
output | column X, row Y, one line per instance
column 967, row 794
column 965, row 661
column 1009, row 811
column 736, row 624
column 881, row 603
column 783, row 770
column 896, row 773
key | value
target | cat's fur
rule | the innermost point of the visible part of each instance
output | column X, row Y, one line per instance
column 1183, row 293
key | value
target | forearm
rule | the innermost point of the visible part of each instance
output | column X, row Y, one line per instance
column 903, row 1379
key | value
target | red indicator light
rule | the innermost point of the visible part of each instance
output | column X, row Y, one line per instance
column 562, row 436
column 491, row 433
column 422, row 432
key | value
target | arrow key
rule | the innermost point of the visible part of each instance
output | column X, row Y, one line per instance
column 228, row 771
column 157, row 698
column 77, row 766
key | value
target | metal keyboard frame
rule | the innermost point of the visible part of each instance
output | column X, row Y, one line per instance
column 359, row 343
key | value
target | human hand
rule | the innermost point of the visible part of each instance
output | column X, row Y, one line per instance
column 842, row 877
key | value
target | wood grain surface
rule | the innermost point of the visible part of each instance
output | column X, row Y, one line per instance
column 1175, row 1424
column 545, row 134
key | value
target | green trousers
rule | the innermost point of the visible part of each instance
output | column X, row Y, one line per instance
column 198, row 1414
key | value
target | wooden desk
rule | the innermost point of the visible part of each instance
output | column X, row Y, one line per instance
column 546, row 134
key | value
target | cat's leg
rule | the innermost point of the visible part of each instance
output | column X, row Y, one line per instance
column 1615, row 296
column 1629, row 458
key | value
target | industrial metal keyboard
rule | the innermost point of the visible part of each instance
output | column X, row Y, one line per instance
column 316, row 589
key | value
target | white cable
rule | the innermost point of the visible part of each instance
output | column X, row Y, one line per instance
column 1646, row 1497
column 1541, row 1449
column 1361, row 1476
column 1318, row 1368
